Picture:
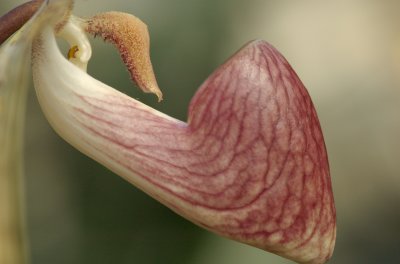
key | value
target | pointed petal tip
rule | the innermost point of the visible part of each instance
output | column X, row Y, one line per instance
column 154, row 89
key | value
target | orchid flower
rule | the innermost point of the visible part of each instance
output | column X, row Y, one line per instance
column 249, row 164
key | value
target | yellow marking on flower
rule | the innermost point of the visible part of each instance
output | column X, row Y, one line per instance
column 72, row 52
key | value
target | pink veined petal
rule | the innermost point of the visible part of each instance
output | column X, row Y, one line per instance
column 250, row 164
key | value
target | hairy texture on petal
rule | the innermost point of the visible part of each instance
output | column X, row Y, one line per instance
column 130, row 35
column 250, row 164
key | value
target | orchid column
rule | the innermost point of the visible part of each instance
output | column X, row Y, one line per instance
column 250, row 163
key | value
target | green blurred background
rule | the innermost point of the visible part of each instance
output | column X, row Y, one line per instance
column 347, row 52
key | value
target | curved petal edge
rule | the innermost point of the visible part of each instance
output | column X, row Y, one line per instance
column 250, row 164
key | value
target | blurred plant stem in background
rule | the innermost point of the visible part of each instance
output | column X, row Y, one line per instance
column 13, row 93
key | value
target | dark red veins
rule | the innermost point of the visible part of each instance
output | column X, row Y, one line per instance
column 249, row 164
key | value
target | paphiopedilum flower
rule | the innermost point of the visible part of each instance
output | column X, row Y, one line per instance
column 249, row 164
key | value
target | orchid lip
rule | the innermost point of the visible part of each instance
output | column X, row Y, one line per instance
column 250, row 164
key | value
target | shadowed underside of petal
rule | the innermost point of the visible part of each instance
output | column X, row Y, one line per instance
column 250, row 164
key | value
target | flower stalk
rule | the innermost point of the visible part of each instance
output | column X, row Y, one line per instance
column 12, row 220
column 13, row 92
column 23, row 22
